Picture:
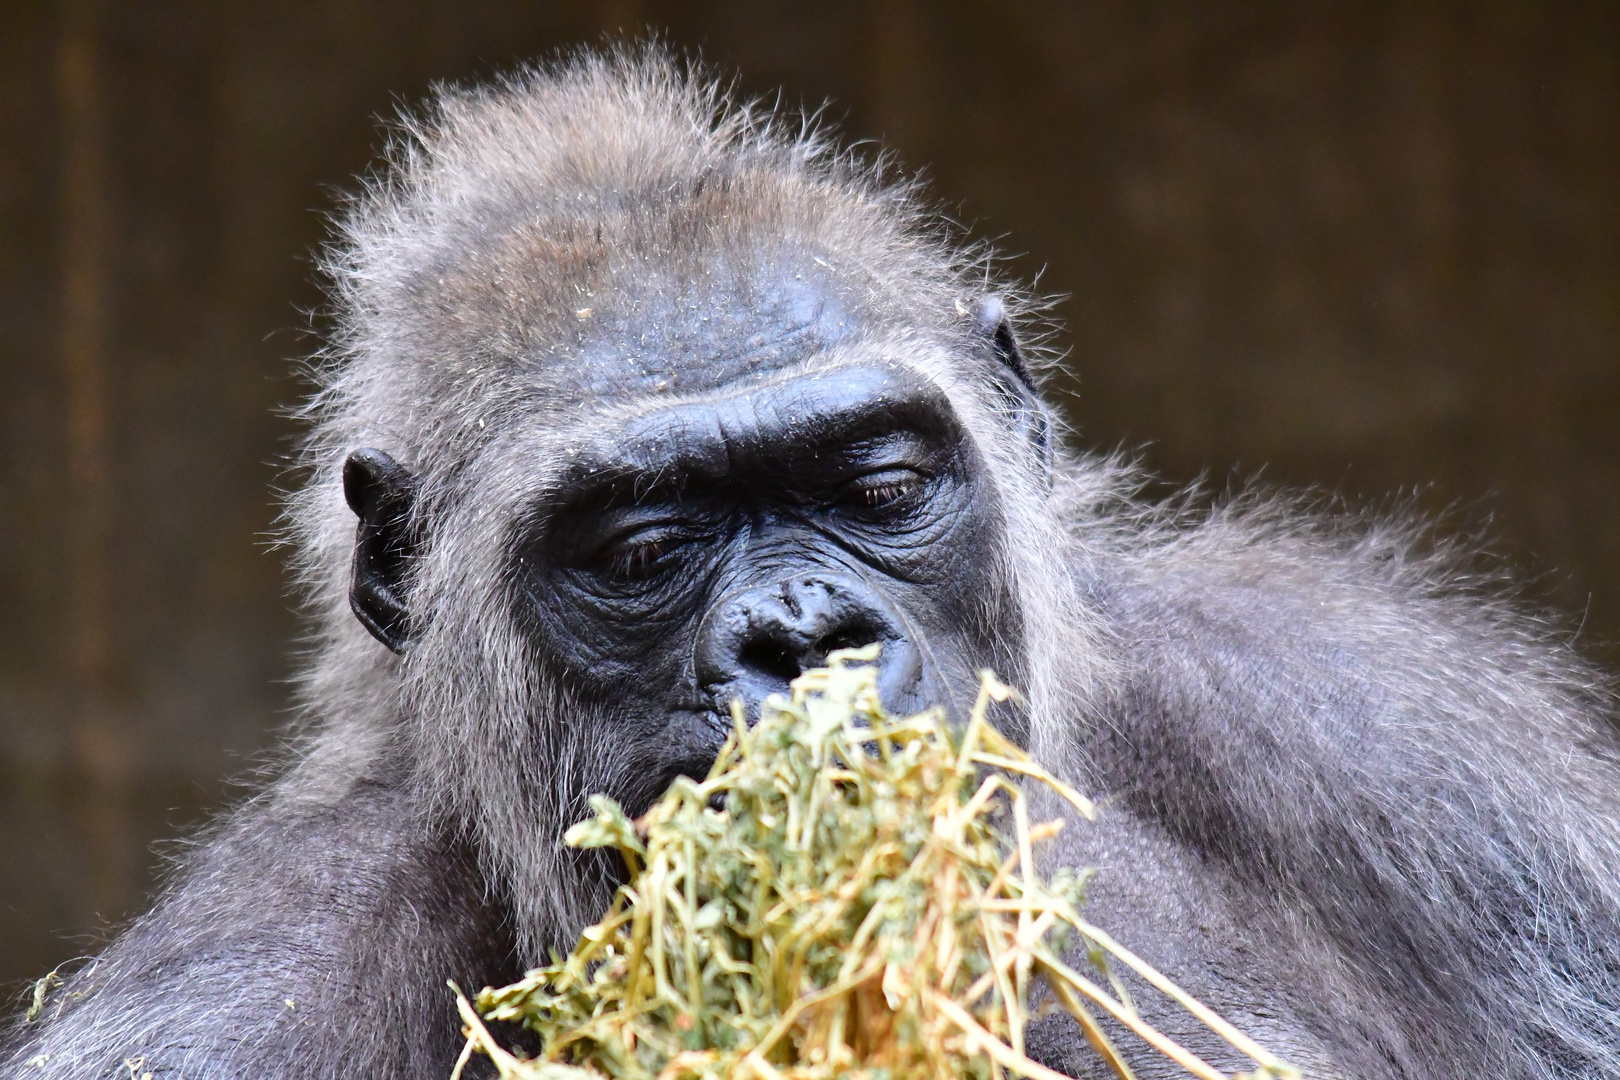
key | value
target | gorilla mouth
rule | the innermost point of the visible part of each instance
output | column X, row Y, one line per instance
column 643, row 782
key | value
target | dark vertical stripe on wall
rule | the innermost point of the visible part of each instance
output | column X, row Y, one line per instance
column 100, row 744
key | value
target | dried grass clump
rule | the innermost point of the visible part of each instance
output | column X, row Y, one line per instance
column 865, row 906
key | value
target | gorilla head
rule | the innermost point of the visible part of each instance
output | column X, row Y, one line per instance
column 651, row 425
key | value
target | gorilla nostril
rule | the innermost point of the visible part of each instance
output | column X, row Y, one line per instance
column 845, row 638
column 758, row 640
column 770, row 658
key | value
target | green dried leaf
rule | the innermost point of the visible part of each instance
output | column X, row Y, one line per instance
column 609, row 828
column 42, row 987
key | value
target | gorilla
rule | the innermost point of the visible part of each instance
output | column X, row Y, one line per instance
column 645, row 399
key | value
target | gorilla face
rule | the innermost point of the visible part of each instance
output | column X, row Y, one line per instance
column 718, row 547
column 800, row 496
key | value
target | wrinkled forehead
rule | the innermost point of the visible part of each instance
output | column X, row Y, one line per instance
column 801, row 412
column 696, row 333
column 808, row 392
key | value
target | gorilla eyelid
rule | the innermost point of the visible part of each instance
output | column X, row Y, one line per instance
column 877, row 490
column 637, row 554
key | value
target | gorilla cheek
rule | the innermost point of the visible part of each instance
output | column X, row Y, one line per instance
column 974, row 617
column 612, row 648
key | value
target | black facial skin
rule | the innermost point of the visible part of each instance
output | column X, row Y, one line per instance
column 727, row 545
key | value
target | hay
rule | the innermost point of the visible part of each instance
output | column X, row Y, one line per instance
column 865, row 906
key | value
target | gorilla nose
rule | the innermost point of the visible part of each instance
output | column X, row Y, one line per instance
column 755, row 641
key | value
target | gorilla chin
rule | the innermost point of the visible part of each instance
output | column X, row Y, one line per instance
column 640, row 401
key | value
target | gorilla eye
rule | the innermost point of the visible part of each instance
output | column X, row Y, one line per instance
column 884, row 489
column 641, row 555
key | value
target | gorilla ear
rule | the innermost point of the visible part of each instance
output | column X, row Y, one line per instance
column 383, row 495
column 1013, row 379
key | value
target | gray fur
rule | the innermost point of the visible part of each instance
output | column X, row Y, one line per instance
column 1358, row 803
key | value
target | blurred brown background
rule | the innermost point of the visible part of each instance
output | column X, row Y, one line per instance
column 1369, row 246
